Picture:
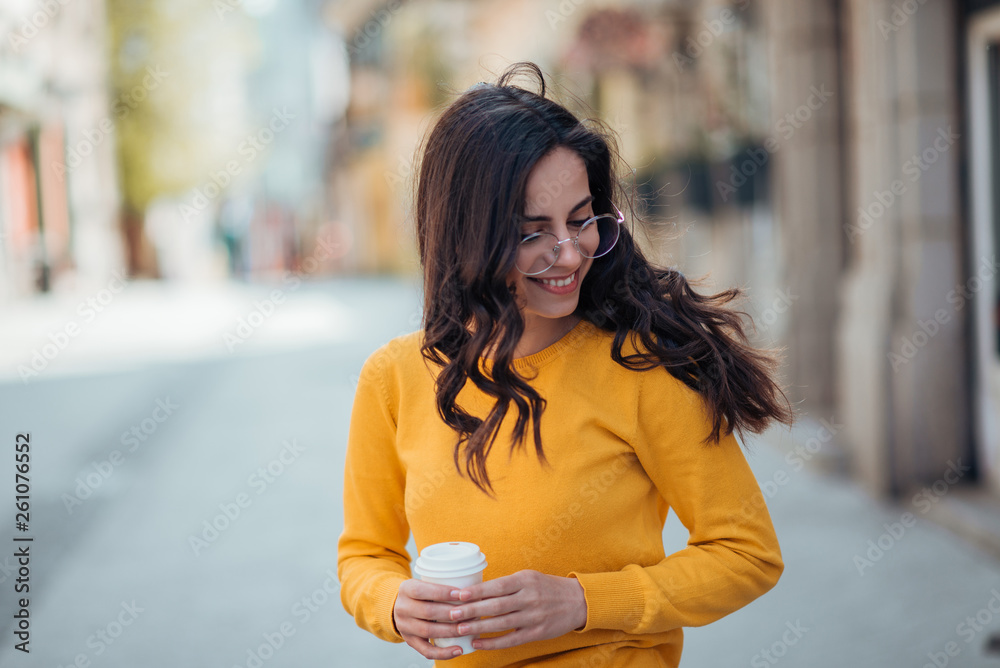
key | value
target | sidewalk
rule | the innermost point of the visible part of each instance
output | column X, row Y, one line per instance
column 121, row 326
column 866, row 583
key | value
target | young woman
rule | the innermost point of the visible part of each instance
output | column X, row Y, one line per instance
column 541, row 315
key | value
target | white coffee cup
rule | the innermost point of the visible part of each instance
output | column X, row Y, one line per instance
column 455, row 564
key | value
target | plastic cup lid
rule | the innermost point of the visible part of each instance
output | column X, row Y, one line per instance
column 449, row 560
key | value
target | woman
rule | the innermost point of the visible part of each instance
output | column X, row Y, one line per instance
column 632, row 385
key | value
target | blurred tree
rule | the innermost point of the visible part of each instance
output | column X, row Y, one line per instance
column 178, row 71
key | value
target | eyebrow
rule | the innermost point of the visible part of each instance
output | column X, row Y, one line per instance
column 584, row 202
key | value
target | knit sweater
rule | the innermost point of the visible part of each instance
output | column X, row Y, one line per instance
column 623, row 448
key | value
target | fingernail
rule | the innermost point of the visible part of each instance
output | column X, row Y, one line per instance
column 457, row 652
column 456, row 594
column 463, row 629
column 455, row 614
column 465, row 595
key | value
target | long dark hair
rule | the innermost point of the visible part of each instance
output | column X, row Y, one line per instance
column 471, row 189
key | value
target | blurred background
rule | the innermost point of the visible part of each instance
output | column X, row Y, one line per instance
column 205, row 230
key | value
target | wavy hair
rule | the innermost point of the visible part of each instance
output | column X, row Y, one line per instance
column 470, row 191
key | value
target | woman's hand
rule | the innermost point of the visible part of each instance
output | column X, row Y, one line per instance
column 535, row 605
column 421, row 613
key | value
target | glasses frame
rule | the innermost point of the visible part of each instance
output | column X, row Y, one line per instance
column 576, row 241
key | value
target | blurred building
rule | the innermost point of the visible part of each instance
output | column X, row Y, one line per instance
column 301, row 70
column 887, row 206
column 58, row 192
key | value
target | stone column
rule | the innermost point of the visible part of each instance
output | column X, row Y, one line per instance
column 805, row 98
column 900, row 343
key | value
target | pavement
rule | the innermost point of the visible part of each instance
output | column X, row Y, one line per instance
column 186, row 478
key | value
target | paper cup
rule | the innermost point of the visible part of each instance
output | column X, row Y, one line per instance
column 455, row 564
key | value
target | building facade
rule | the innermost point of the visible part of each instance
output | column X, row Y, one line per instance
column 888, row 209
column 58, row 188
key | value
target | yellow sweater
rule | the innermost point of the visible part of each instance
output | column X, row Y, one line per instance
column 623, row 447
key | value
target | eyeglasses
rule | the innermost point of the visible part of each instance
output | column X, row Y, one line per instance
column 596, row 236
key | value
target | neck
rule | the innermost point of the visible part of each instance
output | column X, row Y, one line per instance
column 539, row 334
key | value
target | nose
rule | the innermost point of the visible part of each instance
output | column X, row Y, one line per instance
column 565, row 258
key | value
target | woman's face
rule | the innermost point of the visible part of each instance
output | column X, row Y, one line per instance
column 558, row 200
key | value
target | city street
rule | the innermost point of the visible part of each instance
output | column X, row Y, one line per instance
column 186, row 477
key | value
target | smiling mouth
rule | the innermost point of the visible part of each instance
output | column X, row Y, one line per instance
column 558, row 282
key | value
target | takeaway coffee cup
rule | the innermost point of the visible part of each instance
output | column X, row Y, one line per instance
column 454, row 564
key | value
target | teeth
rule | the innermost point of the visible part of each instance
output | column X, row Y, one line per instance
column 559, row 283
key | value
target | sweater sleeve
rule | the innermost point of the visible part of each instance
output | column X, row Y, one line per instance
column 732, row 555
column 372, row 559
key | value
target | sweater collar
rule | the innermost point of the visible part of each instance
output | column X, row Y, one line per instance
column 572, row 339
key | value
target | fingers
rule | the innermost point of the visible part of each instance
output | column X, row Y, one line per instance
column 509, row 584
column 429, row 651
column 491, row 607
column 495, row 598
column 432, row 612
column 426, row 591
column 525, row 606
column 494, row 624
column 425, row 628
column 421, row 618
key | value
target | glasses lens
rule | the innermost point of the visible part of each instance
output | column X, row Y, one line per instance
column 537, row 253
column 599, row 235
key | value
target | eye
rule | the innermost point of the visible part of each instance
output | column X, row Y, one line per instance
column 530, row 238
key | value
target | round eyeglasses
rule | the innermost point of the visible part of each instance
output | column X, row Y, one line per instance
column 595, row 237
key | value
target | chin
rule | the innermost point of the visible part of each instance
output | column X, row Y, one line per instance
column 557, row 315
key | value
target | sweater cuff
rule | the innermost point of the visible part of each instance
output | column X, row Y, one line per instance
column 615, row 600
column 384, row 596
